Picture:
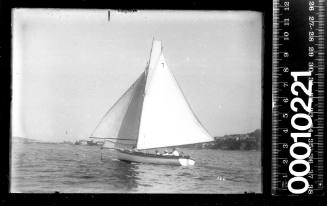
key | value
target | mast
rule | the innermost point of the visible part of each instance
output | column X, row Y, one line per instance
column 153, row 52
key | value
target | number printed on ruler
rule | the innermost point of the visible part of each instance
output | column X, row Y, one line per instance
column 298, row 97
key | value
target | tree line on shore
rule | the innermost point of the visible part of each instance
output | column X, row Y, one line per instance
column 248, row 141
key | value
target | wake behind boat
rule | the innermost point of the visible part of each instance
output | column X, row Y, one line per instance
column 153, row 113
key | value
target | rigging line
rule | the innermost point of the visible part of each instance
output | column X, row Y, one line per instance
column 155, row 62
column 112, row 138
column 142, row 105
column 109, row 148
column 101, row 153
column 148, row 63
column 121, row 143
column 173, row 146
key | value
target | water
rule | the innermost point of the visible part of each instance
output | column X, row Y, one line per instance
column 47, row 168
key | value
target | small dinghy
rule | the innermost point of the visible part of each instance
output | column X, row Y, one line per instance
column 152, row 113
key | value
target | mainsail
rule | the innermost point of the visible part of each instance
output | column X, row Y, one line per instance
column 153, row 112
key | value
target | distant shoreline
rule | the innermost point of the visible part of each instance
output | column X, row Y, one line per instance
column 248, row 141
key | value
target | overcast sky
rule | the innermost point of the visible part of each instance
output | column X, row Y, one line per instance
column 70, row 66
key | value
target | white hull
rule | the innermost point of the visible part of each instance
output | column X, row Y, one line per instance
column 126, row 155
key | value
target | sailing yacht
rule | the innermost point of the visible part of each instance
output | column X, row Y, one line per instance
column 152, row 114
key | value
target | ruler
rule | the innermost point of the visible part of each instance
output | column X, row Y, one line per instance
column 298, row 85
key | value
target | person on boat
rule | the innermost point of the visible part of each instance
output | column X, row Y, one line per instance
column 134, row 149
column 175, row 152
column 165, row 153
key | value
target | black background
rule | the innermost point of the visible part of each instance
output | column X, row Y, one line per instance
column 6, row 198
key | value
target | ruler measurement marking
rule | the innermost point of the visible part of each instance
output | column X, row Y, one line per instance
column 313, row 20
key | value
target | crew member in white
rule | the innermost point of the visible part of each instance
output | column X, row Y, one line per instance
column 175, row 152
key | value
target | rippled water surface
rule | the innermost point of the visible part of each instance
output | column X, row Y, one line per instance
column 46, row 168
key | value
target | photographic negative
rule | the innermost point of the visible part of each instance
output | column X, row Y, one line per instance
column 136, row 101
